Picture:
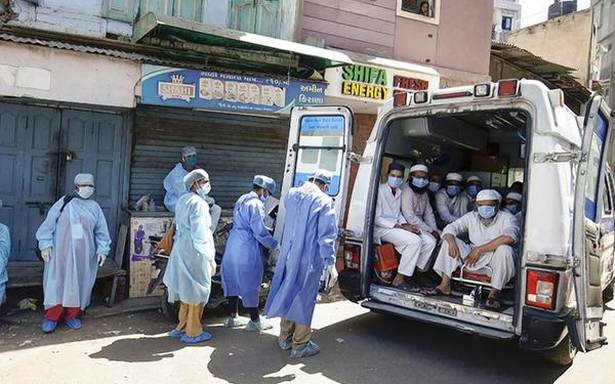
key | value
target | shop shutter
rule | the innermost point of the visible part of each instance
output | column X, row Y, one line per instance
column 232, row 148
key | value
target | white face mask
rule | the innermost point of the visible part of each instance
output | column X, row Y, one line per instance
column 85, row 192
column 204, row 190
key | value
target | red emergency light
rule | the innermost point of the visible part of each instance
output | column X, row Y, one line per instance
column 508, row 88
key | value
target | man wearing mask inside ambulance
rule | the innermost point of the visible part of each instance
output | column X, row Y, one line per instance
column 451, row 203
column 492, row 234
column 473, row 186
column 415, row 205
column 175, row 188
column 512, row 204
column 392, row 227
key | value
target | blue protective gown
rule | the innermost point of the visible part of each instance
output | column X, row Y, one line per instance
column 308, row 245
column 5, row 251
column 77, row 235
column 242, row 265
column 174, row 186
column 188, row 274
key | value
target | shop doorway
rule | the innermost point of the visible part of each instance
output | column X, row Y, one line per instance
column 41, row 150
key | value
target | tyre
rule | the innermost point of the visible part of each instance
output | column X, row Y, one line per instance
column 563, row 354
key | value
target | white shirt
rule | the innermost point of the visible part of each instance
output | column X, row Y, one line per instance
column 417, row 210
column 388, row 207
column 479, row 233
column 451, row 208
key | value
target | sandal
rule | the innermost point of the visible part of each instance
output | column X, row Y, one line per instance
column 435, row 292
column 412, row 288
column 493, row 304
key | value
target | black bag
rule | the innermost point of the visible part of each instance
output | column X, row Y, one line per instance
column 65, row 201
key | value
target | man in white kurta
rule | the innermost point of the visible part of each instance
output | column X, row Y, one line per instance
column 392, row 227
column 492, row 234
column 451, row 202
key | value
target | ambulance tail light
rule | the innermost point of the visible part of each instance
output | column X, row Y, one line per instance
column 420, row 97
column 482, row 90
column 352, row 256
column 508, row 88
column 400, row 99
column 541, row 289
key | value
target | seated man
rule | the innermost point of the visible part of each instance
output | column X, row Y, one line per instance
column 492, row 234
column 392, row 227
column 451, row 204
column 175, row 187
column 415, row 205
column 473, row 186
column 512, row 204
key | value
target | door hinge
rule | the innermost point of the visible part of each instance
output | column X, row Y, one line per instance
column 359, row 159
column 560, row 157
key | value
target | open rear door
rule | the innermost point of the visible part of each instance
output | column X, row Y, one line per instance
column 320, row 138
column 587, row 330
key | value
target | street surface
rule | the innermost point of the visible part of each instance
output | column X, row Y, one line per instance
column 357, row 347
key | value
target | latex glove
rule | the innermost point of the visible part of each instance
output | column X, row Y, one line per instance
column 46, row 254
column 332, row 276
column 101, row 260
column 212, row 267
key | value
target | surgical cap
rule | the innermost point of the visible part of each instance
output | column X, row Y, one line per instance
column 265, row 182
column 419, row 168
column 473, row 178
column 194, row 176
column 84, row 179
column 514, row 196
column 454, row 177
column 188, row 151
column 322, row 175
column 488, row 194
column 396, row 167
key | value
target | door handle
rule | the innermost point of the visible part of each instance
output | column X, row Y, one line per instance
column 69, row 156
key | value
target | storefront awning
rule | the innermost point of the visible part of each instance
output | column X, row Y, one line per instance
column 247, row 46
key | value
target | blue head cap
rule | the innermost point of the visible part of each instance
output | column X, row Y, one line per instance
column 322, row 175
column 265, row 182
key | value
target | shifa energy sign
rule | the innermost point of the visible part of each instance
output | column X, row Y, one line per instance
column 364, row 81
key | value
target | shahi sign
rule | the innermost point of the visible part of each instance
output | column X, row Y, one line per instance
column 373, row 83
column 189, row 88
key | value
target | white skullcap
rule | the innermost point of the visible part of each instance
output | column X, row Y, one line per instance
column 454, row 177
column 194, row 176
column 188, row 151
column 84, row 179
column 419, row 168
column 474, row 178
column 488, row 194
column 514, row 196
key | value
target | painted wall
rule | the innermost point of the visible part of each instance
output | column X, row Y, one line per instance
column 458, row 45
column 59, row 75
column 565, row 40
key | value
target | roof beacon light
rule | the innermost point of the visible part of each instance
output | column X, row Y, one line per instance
column 420, row 97
column 482, row 90
column 508, row 88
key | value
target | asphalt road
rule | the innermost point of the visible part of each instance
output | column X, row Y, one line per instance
column 357, row 347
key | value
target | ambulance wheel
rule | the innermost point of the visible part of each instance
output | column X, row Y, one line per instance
column 169, row 310
column 563, row 354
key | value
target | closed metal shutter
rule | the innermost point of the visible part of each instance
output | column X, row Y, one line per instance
column 231, row 148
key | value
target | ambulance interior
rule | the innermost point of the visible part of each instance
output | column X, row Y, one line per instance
column 488, row 144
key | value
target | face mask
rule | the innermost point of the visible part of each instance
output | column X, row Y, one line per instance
column 486, row 211
column 472, row 190
column 434, row 187
column 264, row 198
column 395, row 182
column 419, row 182
column 191, row 161
column 512, row 208
column 453, row 190
column 204, row 190
column 85, row 192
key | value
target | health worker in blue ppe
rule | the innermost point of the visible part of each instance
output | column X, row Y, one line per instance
column 174, row 185
column 74, row 242
column 473, row 186
column 192, row 261
column 308, row 248
column 5, row 251
column 492, row 233
column 451, row 202
column 243, row 262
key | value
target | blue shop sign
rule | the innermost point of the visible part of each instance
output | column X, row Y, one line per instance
column 187, row 88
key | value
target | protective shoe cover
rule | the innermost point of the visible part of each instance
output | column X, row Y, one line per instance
column 49, row 326
column 176, row 334
column 197, row 339
column 258, row 326
column 235, row 322
column 310, row 349
column 73, row 323
column 285, row 344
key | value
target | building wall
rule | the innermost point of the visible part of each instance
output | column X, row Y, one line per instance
column 566, row 40
column 458, row 45
column 604, row 20
column 505, row 8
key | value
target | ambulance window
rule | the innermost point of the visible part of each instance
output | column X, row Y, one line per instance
column 593, row 171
